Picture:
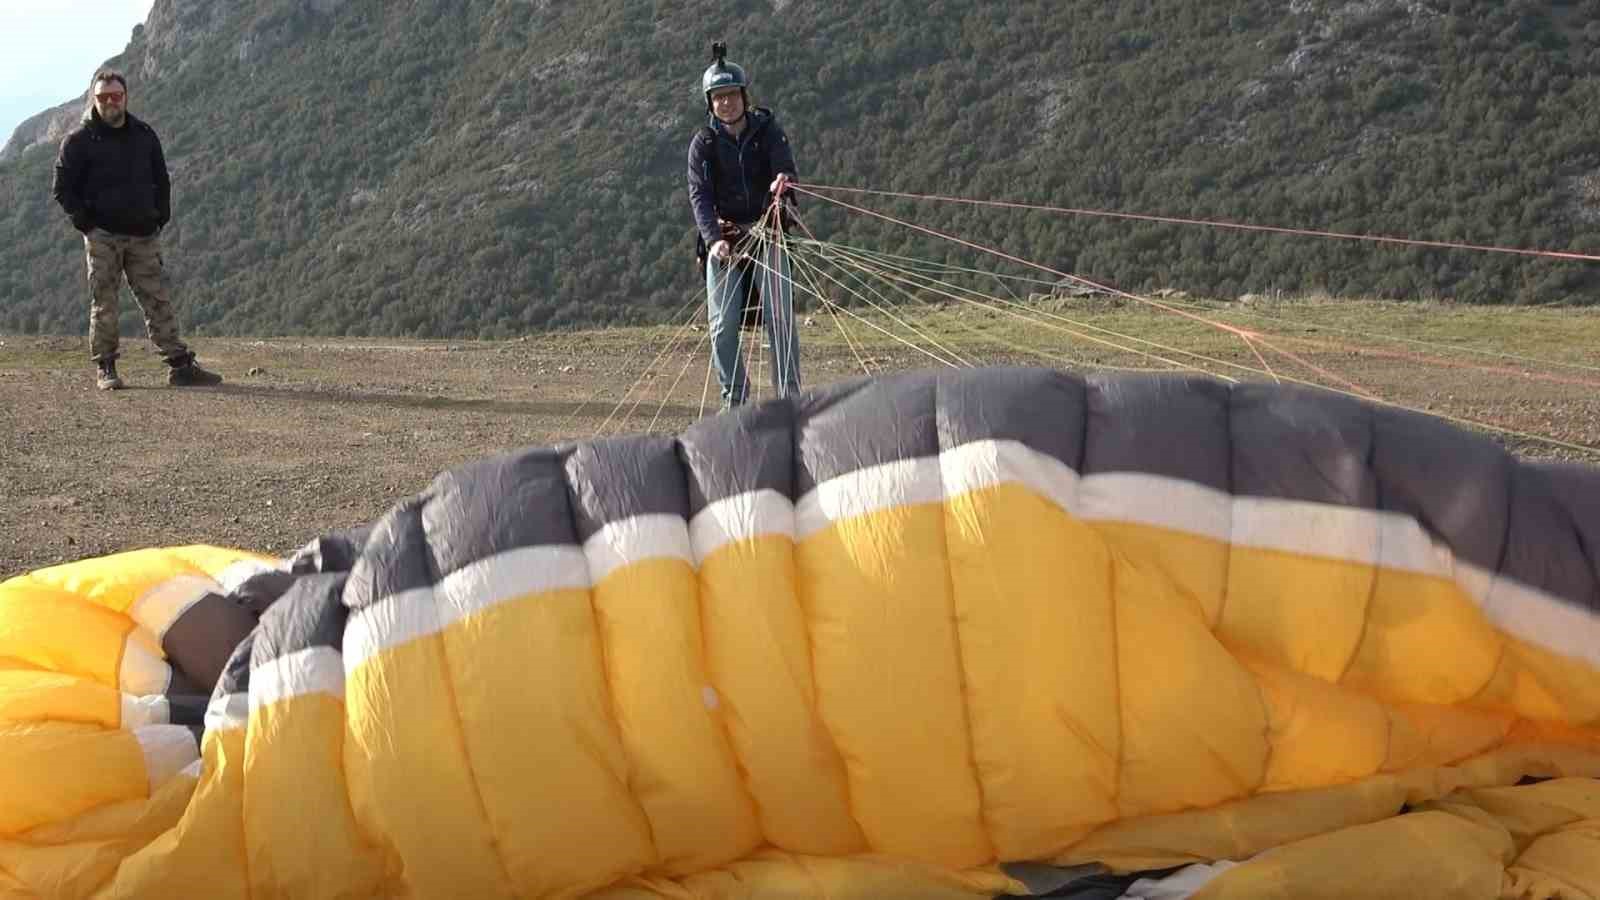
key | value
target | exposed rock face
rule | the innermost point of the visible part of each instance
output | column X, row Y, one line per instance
column 48, row 127
column 174, row 27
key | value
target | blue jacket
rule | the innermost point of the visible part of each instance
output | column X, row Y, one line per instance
column 729, row 178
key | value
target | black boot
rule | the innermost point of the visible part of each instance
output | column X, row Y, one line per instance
column 187, row 373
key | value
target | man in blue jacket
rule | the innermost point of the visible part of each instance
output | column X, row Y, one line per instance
column 739, row 163
column 111, row 180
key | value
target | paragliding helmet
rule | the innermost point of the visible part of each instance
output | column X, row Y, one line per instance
column 722, row 74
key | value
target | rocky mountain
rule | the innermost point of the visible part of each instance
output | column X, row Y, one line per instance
column 492, row 167
column 48, row 127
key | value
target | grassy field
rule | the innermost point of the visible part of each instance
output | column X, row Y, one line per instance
column 312, row 435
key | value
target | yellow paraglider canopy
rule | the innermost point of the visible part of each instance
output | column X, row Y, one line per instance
column 891, row 638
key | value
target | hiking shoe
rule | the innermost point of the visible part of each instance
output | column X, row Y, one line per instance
column 191, row 375
column 107, row 378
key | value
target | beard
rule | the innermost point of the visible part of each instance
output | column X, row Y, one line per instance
column 115, row 118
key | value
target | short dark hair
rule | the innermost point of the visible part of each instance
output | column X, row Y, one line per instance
column 109, row 75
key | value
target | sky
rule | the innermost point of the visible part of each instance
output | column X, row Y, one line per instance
column 49, row 48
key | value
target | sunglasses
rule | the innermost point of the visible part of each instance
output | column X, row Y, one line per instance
column 109, row 97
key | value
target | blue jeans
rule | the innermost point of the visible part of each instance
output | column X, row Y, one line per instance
column 726, row 283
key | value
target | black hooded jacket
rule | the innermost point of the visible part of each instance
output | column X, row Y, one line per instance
column 113, row 178
column 732, row 179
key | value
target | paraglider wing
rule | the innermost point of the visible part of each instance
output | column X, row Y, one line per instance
column 882, row 639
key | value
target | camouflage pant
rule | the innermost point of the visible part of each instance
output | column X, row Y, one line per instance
column 112, row 257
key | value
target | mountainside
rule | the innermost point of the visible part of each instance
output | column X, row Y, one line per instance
column 48, row 127
column 492, row 167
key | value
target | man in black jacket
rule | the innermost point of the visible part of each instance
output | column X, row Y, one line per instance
column 111, row 179
column 739, row 162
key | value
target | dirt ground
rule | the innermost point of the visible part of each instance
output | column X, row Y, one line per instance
column 305, row 436
column 309, row 436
